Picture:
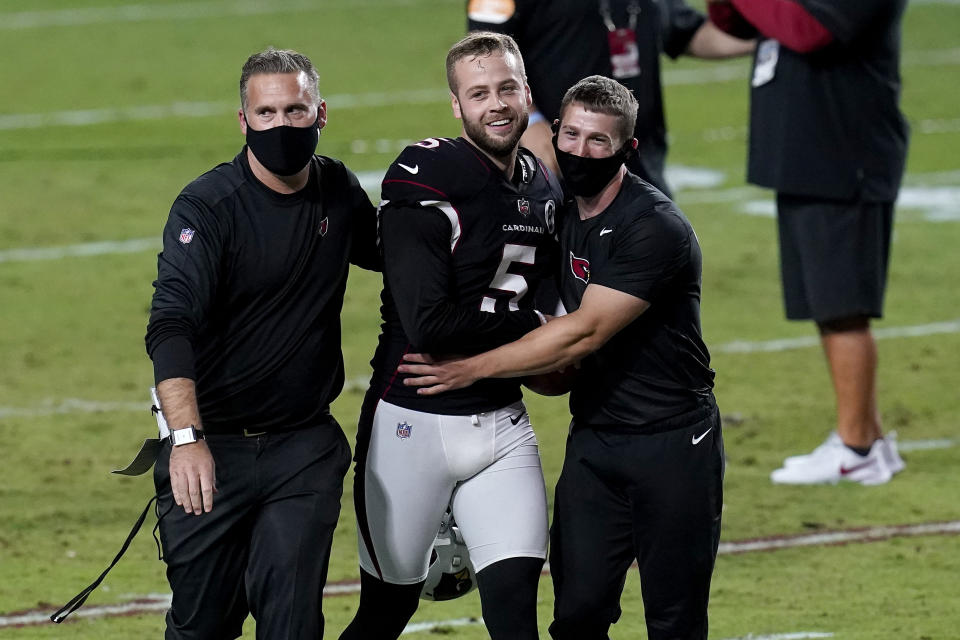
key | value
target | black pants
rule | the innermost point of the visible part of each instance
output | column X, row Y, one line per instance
column 652, row 497
column 265, row 546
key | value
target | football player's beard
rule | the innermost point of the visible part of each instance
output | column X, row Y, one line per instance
column 493, row 145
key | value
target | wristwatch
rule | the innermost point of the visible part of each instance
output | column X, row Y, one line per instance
column 187, row 435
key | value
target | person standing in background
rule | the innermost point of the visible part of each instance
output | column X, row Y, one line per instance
column 564, row 41
column 827, row 134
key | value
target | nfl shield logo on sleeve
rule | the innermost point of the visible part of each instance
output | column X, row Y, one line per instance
column 403, row 430
column 523, row 206
column 186, row 235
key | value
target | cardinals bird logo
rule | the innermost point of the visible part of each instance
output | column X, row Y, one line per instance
column 580, row 267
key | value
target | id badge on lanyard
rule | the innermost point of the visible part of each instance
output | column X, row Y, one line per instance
column 765, row 68
column 624, row 52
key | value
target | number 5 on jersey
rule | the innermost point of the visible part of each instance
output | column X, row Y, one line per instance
column 510, row 282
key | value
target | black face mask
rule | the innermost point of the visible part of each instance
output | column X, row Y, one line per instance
column 586, row 177
column 284, row 150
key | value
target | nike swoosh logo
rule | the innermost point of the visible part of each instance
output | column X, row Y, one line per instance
column 605, row 230
column 848, row 470
column 517, row 419
column 697, row 439
column 414, row 169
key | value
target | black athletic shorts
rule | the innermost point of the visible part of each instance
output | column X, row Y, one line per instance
column 833, row 257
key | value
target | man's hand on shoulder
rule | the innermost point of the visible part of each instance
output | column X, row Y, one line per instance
column 193, row 477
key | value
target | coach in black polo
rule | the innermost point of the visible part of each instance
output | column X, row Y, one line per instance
column 827, row 134
column 643, row 471
column 244, row 334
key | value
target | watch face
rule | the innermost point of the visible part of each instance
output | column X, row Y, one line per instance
column 183, row 436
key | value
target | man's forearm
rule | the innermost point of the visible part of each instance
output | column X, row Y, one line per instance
column 556, row 345
column 178, row 401
column 565, row 340
column 786, row 21
column 710, row 42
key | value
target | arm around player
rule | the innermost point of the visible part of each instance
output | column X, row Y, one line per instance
column 558, row 344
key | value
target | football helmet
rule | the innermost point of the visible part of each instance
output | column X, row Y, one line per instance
column 451, row 573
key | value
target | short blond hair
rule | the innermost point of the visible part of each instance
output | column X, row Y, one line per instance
column 481, row 44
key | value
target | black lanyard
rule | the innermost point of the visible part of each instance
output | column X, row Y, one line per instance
column 633, row 9
column 77, row 601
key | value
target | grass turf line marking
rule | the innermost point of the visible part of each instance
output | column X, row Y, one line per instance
column 416, row 627
column 87, row 117
column 16, row 21
column 926, row 445
column 803, row 342
column 714, row 74
column 30, row 254
column 133, row 607
column 159, row 602
column 796, row 635
column 868, row 534
column 72, row 406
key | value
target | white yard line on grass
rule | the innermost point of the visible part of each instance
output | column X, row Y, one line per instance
column 77, row 406
column 869, row 534
column 926, row 445
column 73, row 406
column 30, row 254
column 137, row 606
column 796, row 635
column 937, row 201
column 86, row 117
column 159, row 602
column 803, row 342
column 437, row 625
column 16, row 21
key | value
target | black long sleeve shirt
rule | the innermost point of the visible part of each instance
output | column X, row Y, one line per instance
column 249, row 291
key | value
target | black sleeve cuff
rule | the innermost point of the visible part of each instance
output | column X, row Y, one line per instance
column 173, row 358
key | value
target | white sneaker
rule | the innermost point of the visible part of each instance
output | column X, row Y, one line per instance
column 831, row 464
column 833, row 440
column 891, row 454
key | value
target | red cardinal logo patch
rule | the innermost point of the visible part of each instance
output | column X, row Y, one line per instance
column 580, row 267
column 324, row 225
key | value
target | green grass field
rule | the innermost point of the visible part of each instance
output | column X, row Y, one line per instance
column 107, row 109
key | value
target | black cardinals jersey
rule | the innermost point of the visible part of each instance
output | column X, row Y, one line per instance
column 464, row 251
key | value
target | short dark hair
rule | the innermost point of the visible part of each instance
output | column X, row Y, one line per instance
column 273, row 60
column 481, row 43
column 603, row 95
